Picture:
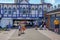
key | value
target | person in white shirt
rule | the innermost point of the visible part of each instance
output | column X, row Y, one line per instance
column 19, row 30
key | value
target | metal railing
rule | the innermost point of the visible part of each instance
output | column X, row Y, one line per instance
column 53, row 8
column 21, row 15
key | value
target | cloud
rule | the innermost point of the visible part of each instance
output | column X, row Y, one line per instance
column 6, row 1
column 50, row 1
column 34, row 1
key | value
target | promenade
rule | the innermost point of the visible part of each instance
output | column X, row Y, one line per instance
column 30, row 34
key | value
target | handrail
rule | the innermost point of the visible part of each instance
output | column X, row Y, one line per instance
column 21, row 15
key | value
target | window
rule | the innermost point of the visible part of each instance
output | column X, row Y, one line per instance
column 9, row 10
column 20, row 10
column 17, row 8
column 14, row 9
column 36, row 8
column 45, row 8
column 24, row 10
column 5, row 8
column 33, row 8
column 5, row 11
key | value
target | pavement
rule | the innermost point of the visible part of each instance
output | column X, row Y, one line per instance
column 5, row 35
column 50, row 34
column 30, row 34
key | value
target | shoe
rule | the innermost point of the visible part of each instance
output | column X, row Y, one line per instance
column 19, row 34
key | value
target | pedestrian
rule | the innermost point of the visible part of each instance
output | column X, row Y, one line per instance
column 56, row 23
column 19, row 30
column 44, row 24
column 36, row 25
column 23, row 29
column 9, row 27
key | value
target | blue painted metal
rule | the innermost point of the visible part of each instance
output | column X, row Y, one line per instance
column 42, row 11
column 20, row 15
column 0, row 9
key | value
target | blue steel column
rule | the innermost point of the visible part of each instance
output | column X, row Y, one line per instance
column 0, row 14
column 38, row 11
column 0, row 9
column 12, row 12
column 3, row 11
column 55, row 16
column 42, row 11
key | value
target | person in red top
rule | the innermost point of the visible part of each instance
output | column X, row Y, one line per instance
column 23, row 28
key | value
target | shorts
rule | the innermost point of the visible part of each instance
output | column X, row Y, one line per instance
column 19, row 29
column 56, row 26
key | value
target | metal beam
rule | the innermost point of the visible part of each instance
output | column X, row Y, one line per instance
column 53, row 13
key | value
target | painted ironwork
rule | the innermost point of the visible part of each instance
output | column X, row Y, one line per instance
column 21, row 12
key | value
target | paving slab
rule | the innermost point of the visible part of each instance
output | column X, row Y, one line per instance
column 50, row 34
column 5, row 35
column 30, row 34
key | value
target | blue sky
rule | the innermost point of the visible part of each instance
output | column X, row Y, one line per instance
column 33, row 1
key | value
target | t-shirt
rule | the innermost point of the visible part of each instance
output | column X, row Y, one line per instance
column 36, row 23
column 19, row 27
column 56, row 22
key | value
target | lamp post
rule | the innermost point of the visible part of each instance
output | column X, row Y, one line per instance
column 0, row 22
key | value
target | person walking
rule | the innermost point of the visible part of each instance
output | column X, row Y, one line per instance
column 19, row 30
column 44, row 25
column 9, row 26
column 56, row 23
column 36, row 25
column 23, row 28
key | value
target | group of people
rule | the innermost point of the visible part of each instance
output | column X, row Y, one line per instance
column 22, row 27
column 42, row 26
